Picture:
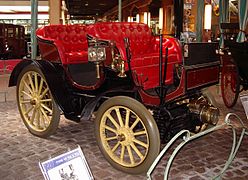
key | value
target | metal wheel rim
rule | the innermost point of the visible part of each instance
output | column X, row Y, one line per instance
column 35, row 101
column 125, row 140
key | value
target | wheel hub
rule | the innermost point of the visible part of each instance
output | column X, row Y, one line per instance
column 121, row 137
column 125, row 136
column 35, row 101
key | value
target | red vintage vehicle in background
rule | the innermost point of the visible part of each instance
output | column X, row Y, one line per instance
column 234, row 74
column 144, row 88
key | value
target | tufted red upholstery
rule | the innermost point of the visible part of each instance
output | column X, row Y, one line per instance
column 70, row 41
column 139, row 35
column 144, row 49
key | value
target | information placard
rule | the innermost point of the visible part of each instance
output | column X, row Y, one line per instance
column 71, row 165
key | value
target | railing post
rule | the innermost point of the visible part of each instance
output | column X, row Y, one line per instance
column 199, row 24
column 34, row 20
column 119, row 11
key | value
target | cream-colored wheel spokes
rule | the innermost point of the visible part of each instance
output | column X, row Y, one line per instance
column 35, row 101
column 124, row 136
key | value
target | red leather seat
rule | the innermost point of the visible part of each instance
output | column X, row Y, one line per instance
column 67, row 43
column 144, row 49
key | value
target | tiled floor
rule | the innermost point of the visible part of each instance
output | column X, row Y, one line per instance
column 6, row 93
column 20, row 151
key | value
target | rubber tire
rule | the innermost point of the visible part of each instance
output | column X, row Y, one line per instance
column 229, row 66
column 149, row 123
column 56, row 111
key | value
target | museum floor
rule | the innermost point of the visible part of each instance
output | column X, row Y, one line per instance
column 20, row 151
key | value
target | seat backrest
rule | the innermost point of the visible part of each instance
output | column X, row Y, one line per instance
column 69, row 35
column 140, row 36
column 72, row 38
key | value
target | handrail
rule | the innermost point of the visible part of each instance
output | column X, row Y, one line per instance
column 188, row 137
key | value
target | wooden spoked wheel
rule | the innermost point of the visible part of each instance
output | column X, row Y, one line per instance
column 127, row 134
column 230, row 83
column 36, row 105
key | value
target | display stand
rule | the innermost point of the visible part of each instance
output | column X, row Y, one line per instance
column 187, row 137
column 71, row 165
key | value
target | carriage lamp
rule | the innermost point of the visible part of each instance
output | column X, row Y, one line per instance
column 96, row 55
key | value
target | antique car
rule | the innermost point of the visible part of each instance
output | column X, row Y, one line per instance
column 12, row 41
column 144, row 88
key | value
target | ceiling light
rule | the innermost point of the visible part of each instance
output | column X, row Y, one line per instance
column 161, row 18
column 208, row 17
column 145, row 17
column 22, row 16
column 137, row 18
column 23, row 8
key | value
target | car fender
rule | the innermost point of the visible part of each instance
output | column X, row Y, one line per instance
column 54, row 77
column 17, row 70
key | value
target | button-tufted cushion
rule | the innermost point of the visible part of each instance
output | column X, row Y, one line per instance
column 71, row 37
column 141, row 40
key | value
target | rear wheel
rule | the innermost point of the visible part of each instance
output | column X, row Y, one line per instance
column 127, row 134
column 230, row 82
column 36, row 105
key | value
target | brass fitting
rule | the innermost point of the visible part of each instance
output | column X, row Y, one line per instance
column 97, row 70
column 207, row 113
column 122, row 70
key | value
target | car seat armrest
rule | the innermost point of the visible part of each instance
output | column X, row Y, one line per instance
column 61, row 49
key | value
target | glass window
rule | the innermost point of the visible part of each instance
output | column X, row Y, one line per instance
column 10, row 32
column 17, row 33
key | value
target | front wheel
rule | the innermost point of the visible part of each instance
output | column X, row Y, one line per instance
column 127, row 134
column 36, row 105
